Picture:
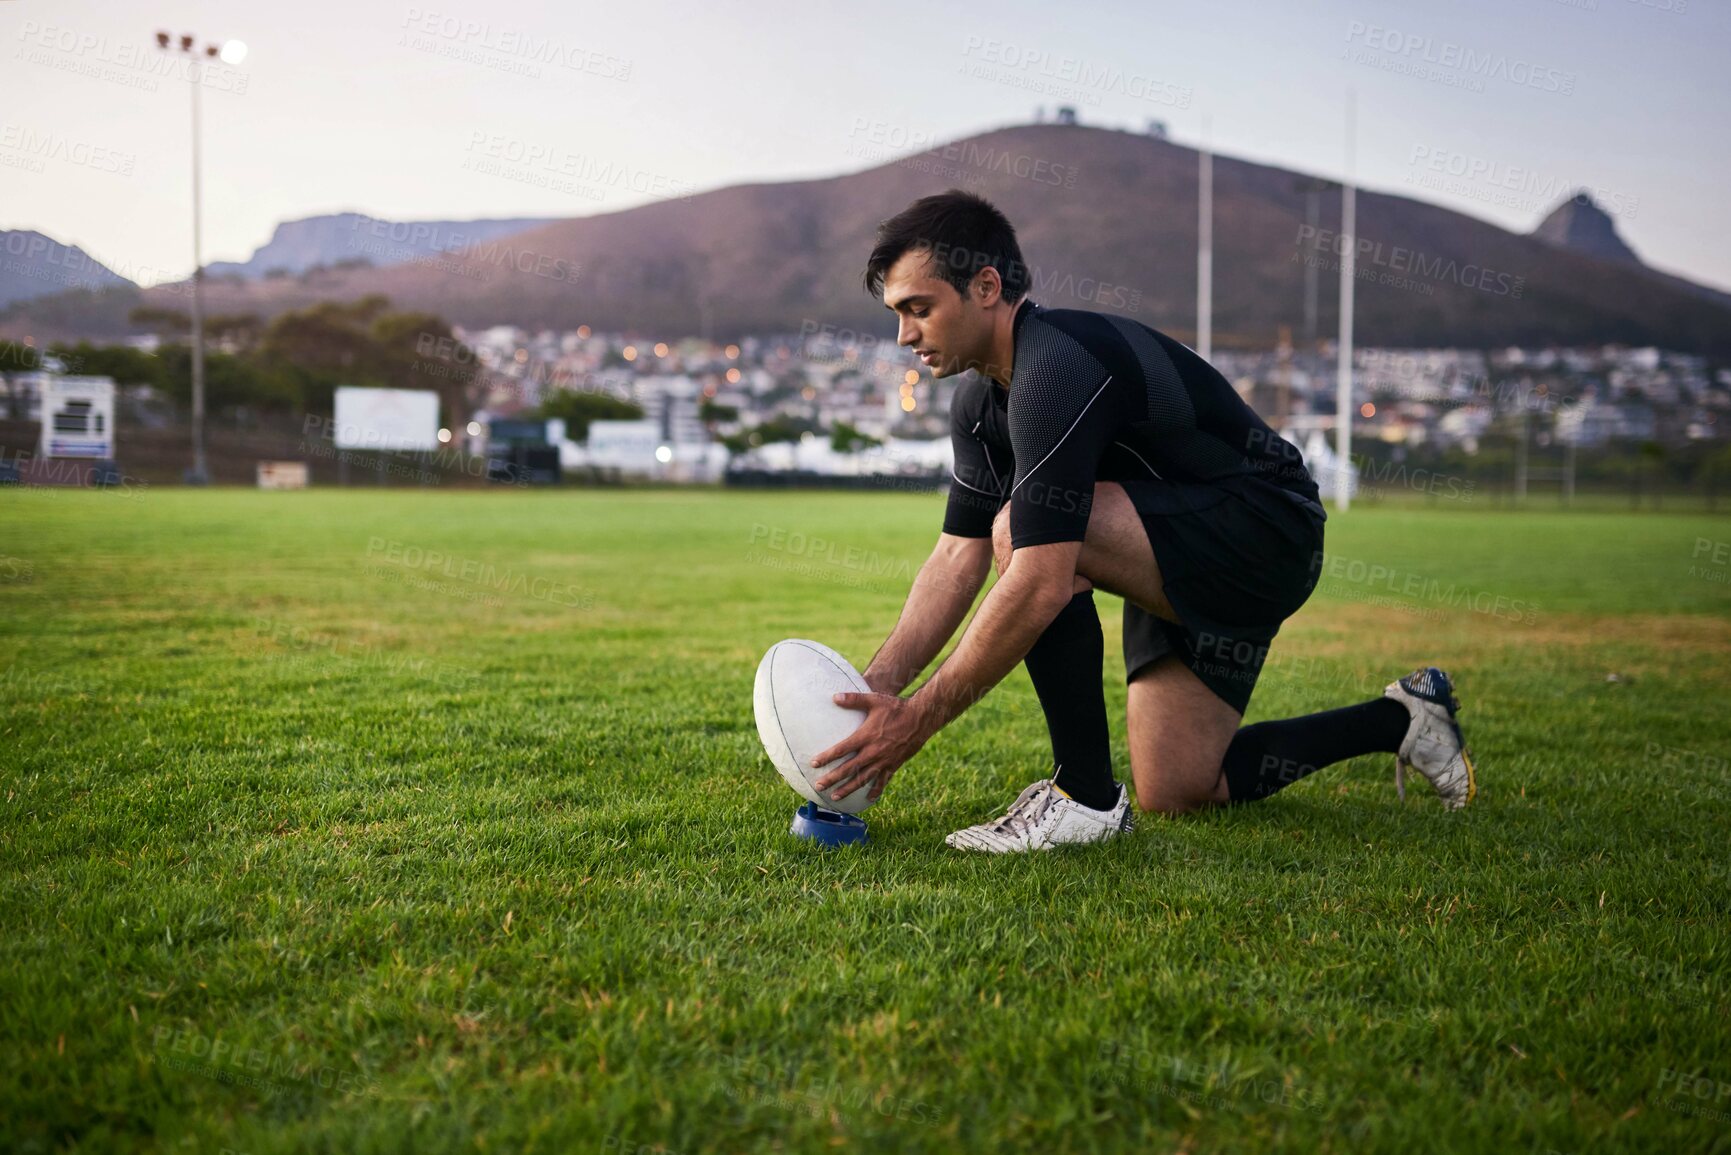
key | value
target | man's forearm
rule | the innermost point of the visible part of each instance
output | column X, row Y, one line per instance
column 942, row 593
column 1010, row 621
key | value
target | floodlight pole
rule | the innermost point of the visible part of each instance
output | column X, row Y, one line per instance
column 1343, row 367
column 199, row 474
column 1310, row 218
column 1205, row 247
column 1312, row 188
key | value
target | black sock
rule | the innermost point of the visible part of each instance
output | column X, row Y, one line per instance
column 1269, row 755
column 1065, row 666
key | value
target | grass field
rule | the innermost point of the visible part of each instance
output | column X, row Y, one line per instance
column 312, row 843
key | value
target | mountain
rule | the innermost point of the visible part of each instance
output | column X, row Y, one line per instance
column 33, row 265
column 1581, row 226
column 297, row 246
column 1107, row 221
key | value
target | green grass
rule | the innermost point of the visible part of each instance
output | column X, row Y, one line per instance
column 306, row 847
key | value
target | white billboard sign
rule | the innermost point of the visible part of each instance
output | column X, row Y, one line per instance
column 386, row 418
column 77, row 416
column 624, row 444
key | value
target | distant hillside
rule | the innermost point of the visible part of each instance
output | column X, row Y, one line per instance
column 33, row 265
column 1581, row 226
column 1107, row 221
column 297, row 246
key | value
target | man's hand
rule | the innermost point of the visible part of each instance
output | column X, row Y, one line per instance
column 893, row 732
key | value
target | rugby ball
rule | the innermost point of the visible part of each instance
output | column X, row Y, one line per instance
column 797, row 720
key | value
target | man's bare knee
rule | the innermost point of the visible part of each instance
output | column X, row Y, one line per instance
column 1165, row 801
column 1170, row 790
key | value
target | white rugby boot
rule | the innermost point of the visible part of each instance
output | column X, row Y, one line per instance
column 1042, row 817
column 1433, row 744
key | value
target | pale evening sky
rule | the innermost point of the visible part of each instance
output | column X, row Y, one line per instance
column 384, row 107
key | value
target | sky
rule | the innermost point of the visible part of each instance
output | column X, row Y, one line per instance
column 457, row 109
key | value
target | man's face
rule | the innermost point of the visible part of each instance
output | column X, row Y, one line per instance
column 949, row 330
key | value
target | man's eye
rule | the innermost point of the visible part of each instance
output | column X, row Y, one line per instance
column 920, row 312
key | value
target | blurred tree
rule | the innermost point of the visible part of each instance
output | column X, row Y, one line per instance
column 17, row 358
column 844, row 438
column 164, row 322
column 781, row 427
column 238, row 331
column 712, row 414
column 309, row 352
column 1713, row 471
column 294, row 362
column 128, row 366
column 578, row 409
column 228, row 381
column 420, row 351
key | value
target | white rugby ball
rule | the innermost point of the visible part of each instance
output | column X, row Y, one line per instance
column 797, row 720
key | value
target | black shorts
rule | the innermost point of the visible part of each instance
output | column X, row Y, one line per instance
column 1236, row 562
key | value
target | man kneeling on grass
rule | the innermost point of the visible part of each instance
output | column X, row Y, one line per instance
column 1092, row 450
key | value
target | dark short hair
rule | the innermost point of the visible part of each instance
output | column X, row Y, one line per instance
column 964, row 233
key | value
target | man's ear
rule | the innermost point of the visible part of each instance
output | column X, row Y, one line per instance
column 989, row 285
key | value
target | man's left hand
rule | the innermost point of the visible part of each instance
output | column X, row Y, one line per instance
column 893, row 732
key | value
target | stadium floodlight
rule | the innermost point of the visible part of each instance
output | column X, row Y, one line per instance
column 232, row 52
column 1343, row 358
column 1205, row 245
column 1312, row 187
